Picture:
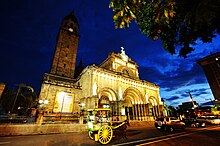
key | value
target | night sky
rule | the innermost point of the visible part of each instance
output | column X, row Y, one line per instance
column 28, row 32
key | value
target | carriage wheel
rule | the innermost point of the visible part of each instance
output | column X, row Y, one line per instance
column 91, row 135
column 105, row 134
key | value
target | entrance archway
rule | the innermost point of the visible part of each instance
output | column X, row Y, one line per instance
column 107, row 96
column 153, row 109
column 108, row 92
column 128, row 108
column 134, row 104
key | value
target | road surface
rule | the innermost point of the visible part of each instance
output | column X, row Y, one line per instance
column 136, row 136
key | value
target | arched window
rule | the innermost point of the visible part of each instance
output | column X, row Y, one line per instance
column 126, row 72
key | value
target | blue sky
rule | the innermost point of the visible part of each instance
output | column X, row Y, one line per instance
column 28, row 38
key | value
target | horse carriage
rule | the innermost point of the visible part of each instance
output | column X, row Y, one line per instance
column 101, row 129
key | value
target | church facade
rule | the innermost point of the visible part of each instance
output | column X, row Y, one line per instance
column 115, row 83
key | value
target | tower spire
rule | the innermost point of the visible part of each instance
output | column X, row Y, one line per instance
column 64, row 60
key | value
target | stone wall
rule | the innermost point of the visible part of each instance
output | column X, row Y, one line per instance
column 31, row 129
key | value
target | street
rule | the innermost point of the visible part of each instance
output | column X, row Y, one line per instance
column 136, row 136
column 209, row 136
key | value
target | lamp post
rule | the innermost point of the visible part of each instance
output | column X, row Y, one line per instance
column 43, row 103
column 15, row 99
column 82, row 105
column 42, row 106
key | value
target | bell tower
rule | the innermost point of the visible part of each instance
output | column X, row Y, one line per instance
column 64, row 60
column 59, row 88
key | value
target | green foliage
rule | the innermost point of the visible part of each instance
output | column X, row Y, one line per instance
column 215, row 108
column 175, row 22
column 172, row 111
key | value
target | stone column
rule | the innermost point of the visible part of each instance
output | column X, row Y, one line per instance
column 127, row 108
column 132, row 108
column 137, row 111
column 145, row 112
column 142, row 113
column 147, row 109
column 134, row 112
column 158, row 108
column 156, row 112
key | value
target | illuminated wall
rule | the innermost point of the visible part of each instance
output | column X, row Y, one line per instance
column 109, row 80
column 64, row 102
column 63, row 94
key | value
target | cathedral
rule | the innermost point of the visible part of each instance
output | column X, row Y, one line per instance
column 113, row 84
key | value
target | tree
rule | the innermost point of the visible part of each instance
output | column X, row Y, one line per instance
column 175, row 22
column 172, row 111
column 6, row 100
column 18, row 101
column 215, row 110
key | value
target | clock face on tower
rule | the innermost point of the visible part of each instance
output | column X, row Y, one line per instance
column 70, row 29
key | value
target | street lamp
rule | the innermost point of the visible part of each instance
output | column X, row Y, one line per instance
column 43, row 103
column 82, row 106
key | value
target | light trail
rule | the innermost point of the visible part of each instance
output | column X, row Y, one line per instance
column 166, row 137
column 4, row 142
